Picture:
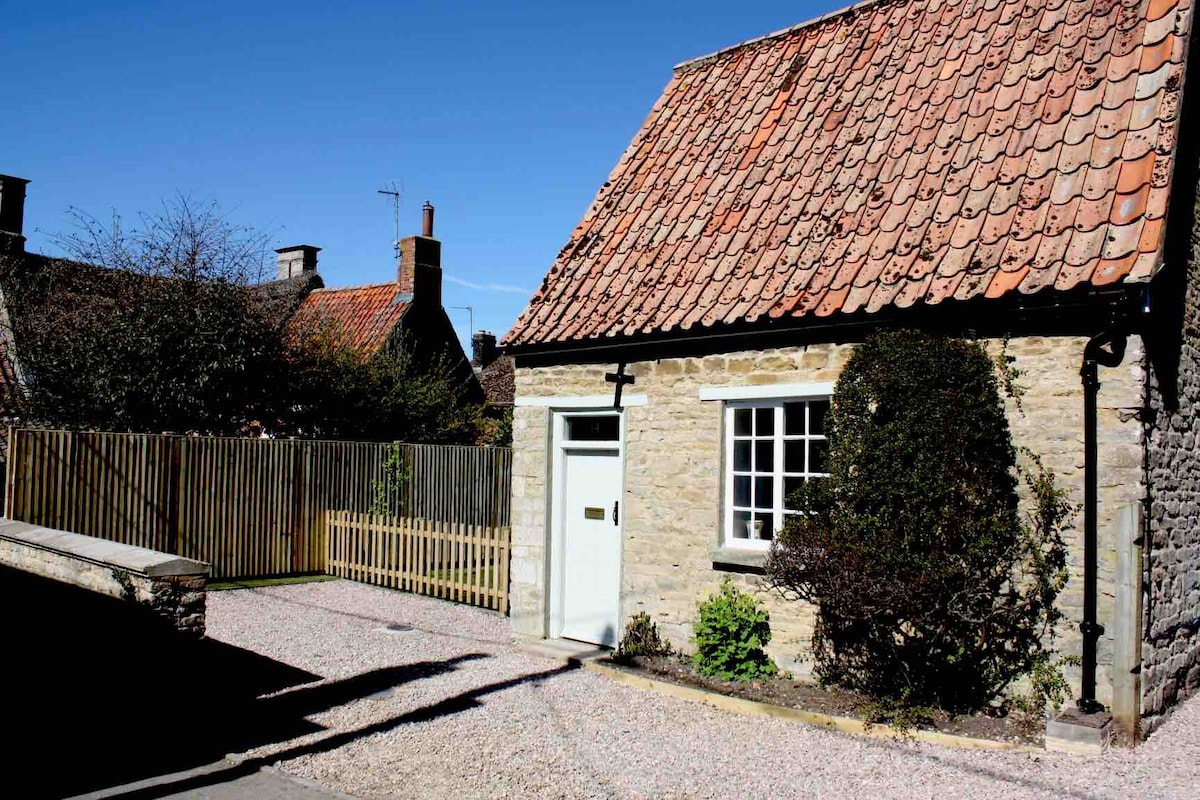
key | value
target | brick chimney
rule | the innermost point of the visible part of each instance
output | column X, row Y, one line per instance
column 420, row 270
column 296, row 260
column 483, row 349
column 12, row 213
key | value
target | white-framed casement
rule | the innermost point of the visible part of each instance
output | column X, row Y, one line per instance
column 576, row 429
column 774, row 441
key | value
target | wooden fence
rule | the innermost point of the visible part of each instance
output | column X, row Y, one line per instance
column 454, row 561
column 250, row 507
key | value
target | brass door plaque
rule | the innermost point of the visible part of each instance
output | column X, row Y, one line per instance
column 593, row 513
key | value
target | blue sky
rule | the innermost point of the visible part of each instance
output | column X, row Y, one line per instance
column 506, row 116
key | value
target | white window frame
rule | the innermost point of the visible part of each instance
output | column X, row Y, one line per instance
column 774, row 401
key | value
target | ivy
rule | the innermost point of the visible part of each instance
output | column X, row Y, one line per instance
column 1010, row 374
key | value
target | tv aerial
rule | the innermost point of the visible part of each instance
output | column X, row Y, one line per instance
column 395, row 192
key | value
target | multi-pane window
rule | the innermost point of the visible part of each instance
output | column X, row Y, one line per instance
column 772, row 447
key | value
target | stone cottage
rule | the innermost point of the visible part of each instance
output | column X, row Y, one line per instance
column 975, row 167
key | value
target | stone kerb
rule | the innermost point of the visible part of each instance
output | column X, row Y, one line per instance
column 173, row 588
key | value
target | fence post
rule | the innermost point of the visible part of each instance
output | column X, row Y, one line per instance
column 408, row 488
column 175, row 482
column 10, row 471
column 296, row 495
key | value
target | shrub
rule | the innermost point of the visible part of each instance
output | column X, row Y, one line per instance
column 641, row 638
column 930, row 587
column 1048, row 689
column 731, row 630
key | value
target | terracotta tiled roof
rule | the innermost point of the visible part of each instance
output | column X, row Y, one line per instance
column 366, row 314
column 900, row 152
column 498, row 380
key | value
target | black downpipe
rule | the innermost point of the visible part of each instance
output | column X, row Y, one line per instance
column 1094, row 354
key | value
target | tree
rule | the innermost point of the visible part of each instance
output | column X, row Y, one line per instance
column 158, row 328
column 930, row 586
column 167, row 327
column 334, row 391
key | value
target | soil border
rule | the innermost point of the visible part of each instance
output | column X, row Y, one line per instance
column 755, row 708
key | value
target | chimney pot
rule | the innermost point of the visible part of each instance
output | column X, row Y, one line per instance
column 420, row 272
column 483, row 349
column 295, row 260
column 427, row 220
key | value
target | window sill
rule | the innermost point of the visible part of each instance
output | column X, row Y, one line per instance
column 738, row 559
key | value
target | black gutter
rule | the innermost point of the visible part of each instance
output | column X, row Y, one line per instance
column 1094, row 354
column 1046, row 313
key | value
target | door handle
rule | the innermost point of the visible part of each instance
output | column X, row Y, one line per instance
column 616, row 505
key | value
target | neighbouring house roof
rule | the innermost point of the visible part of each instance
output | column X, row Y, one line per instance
column 897, row 153
column 364, row 314
column 498, row 380
column 290, row 292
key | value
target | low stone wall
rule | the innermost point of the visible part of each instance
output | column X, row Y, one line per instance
column 171, row 587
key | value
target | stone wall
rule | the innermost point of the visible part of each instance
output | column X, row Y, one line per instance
column 529, row 571
column 1171, row 613
column 169, row 587
column 673, row 476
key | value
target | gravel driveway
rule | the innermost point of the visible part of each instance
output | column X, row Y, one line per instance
column 450, row 709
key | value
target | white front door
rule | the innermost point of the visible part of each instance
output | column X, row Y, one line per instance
column 591, row 559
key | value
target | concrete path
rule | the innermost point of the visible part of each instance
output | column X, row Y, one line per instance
column 222, row 781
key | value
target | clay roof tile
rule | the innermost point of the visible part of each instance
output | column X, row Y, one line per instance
column 899, row 152
column 363, row 315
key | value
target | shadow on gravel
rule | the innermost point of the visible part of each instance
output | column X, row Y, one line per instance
column 99, row 693
column 451, row 705
column 935, row 755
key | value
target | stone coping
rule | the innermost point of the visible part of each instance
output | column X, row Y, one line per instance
column 850, row 725
column 140, row 560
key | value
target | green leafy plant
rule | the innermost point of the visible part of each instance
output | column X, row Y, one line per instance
column 931, row 588
column 389, row 490
column 902, row 716
column 730, row 632
column 642, row 638
column 1048, row 690
column 334, row 390
column 495, row 427
column 128, row 590
column 1009, row 375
